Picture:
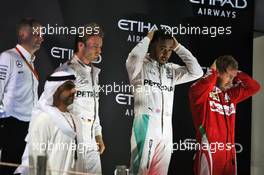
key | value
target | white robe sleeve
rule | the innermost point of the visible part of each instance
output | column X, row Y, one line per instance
column 39, row 135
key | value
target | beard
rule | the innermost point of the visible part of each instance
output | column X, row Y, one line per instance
column 225, row 87
column 228, row 86
column 67, row 100
column 163, row 60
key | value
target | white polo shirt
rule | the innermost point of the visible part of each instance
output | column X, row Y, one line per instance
column 18, row 84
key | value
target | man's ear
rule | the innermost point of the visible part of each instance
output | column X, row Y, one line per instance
column 80, row 45
column 23, row 34
column 218, row 73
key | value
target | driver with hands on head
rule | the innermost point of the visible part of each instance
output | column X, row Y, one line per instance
column 154, row 80
column 213, row 101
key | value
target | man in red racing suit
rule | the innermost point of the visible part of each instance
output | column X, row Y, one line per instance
column 213, row 101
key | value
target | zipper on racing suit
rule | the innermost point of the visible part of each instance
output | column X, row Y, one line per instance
column 227, row 128
column 33, row 89
column 162, row 98
column 94, row 101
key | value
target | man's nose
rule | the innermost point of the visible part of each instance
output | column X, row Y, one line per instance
column 166, row 53
column 73, row 90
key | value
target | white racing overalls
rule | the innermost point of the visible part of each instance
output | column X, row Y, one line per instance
column 151, row 140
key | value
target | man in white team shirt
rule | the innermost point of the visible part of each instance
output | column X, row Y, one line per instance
column 18, row 91
column 85, row 106
column 154, row 80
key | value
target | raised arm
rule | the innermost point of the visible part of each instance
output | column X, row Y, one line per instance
column 136, row 57
column 244, row 87
column 191, row 71
column 200, row 90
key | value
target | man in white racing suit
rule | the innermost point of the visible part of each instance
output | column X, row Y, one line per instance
column 153, row 80
column 85, row 105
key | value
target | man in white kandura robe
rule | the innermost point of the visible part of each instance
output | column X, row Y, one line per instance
column 54, row 131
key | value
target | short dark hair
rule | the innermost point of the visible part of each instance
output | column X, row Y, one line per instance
column 26, row 22
column 160, row 35
column 226, row 61
column 86, row 36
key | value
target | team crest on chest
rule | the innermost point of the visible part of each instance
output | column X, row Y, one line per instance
column 19, row 63
column 169, row 73
column 214, row 96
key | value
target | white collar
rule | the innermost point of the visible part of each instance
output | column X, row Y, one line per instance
column 78, row 60
column 155, row 62
column 30, row 58
column 59, row 120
